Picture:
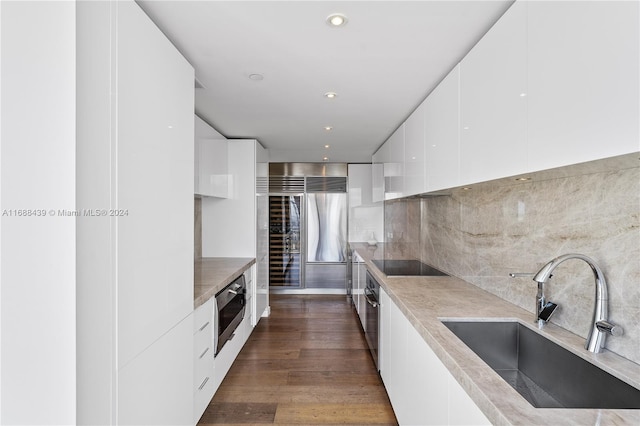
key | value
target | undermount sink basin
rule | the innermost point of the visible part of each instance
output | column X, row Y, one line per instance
column 544, row 373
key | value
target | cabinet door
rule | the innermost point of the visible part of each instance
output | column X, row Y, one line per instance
column 362, row 283
column 365, row 217
column 359, row 185
column 583, row 81
column 397, row 369
column 213, row 176
column 394, row 165
column 262, row 239
column 229, row 226
column 203, row 350
column 211, row 169
column 493, row 101
column 377, row 174
column 462, row 410
column 442, row 134
column 425, row 385
column 383, row 338
column 154, row 184
column 414, row 138
column 156, row 388
column 354, row 281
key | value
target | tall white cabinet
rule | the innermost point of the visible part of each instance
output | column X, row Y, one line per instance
column 135, row 265
column 38, row 259
column 237, row 226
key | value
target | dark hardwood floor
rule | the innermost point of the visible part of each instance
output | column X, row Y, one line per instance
column 307, row 364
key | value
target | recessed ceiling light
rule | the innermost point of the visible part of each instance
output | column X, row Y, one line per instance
column 466, row 188
column 337, row 20
column 328, row 128
column 325, row 158
column 327, row 146
column 331, row 95
column 522, row 95
column 256, row 77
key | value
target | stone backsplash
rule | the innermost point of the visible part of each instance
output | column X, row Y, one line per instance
column 483, row 233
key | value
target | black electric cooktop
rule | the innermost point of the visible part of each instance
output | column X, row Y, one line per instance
column 406, row 267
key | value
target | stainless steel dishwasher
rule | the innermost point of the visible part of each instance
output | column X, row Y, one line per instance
column 371, row 329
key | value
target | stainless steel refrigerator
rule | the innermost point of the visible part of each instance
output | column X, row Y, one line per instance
column 308, row 233
column 326, row 242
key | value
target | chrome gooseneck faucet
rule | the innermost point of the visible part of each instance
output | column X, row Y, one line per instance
column 600, row 326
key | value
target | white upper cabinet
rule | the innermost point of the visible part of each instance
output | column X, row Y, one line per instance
column 493, row 101
column 230, row 226
column 394, row 165
column 583, row 81
column 360, row 189
column 154, row 155
column 366, row 218
column 442, row 134
column 211, row 163
column 377, row 174
column 414, row 147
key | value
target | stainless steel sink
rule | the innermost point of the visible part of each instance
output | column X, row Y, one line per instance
column 544, row 373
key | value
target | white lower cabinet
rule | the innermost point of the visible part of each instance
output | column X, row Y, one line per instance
column 230, row 351
column 421, row 389
column 360, row 284
column 156, row 386
column 426, row 391
column 203, row 350
column 208, row 372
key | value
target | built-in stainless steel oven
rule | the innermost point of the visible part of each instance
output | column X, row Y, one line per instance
column 371, row 330
column 229, row 311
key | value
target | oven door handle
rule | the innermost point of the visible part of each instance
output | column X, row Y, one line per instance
column 216, row 326
column 368, row 298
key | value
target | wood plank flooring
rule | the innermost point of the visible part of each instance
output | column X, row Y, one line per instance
column 307, row 364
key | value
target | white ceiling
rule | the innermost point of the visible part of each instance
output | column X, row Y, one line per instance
column 382, row 64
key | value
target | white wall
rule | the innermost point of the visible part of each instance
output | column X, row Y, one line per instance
column 38, row 339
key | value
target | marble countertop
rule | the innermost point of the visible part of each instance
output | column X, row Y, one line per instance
column 212, row 274
column 425, row 301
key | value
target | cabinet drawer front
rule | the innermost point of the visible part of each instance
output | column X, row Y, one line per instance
column 203, row 315
column 203, row 367
column 203, row 338
column 204, row 384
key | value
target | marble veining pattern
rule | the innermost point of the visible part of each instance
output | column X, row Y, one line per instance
column 212, row 274
column 427, row 300
column 483, row 234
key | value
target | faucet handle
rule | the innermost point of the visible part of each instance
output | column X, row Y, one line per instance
column 610, row 328
column 548, row 310
column 521, row 274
